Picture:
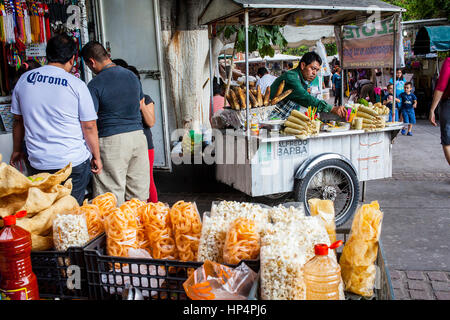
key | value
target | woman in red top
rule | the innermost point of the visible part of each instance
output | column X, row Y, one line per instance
column 442, row 94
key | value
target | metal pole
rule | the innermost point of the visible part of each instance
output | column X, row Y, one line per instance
column 211, row 75
column 343, row 83
column 394, row 103
column 246, row 73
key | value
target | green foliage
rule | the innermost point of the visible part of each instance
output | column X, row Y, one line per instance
column 331, row 49
column 300, row 51
column 260, row 38
column 423, row 9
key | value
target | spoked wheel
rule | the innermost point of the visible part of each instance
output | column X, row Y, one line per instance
column 331, row 180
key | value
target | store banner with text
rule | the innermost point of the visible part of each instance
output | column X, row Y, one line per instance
column 371, row 45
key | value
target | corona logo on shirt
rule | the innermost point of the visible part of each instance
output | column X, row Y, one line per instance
column 37, row 77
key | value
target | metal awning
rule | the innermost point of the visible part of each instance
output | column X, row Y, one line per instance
column 432, row 39
column 294, row 12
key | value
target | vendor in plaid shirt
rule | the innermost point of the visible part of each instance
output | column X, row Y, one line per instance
column 299, row 80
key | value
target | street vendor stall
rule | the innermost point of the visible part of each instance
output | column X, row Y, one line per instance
column 324, row 165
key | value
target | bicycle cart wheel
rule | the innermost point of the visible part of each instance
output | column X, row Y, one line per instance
column 330, row 180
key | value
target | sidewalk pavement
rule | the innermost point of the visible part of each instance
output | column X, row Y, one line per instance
column 415, row 202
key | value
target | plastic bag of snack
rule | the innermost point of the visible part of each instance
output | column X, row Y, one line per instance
column 69, row 230
column 242, row 242
column 187, row 227
column 106, row 203
column 155, row 218
column 94, row 219
column 325, row 210
column 121, row 232
column 214, row 281
column 360, row 252
column 132, row 207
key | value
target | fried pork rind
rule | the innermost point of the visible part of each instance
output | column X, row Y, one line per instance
column 360, row 252
column 42, row 196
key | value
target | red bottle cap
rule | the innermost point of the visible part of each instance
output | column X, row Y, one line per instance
column 321, row 249
column 11, row 220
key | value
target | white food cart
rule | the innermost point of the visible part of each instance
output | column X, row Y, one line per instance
column 328, row 166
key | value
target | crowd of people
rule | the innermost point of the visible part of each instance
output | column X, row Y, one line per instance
column 102, row 129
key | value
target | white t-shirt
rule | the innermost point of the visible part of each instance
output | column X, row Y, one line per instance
column 265, row 82
column 52, row 103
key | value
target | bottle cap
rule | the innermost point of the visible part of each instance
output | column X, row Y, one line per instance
column 321, row 249
column 11, row 220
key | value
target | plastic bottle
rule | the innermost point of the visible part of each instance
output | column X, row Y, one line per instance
column 17, row 280
column 254, row 125
column 322, row 274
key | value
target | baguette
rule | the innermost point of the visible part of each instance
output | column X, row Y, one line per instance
column 235, row 100
column 259, row 96
column 280, row 89
column 253, row 101
column 242, row 98
column 230, row 101
column 300, row 115
column 267, row 97
column 281, row 97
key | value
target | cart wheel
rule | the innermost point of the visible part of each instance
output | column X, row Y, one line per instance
column 330, row 180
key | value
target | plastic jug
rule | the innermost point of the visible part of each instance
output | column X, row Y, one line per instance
column 322, row 274
column 17, row 280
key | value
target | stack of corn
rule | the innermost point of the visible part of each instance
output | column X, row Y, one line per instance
column 300, row 125
column 371, row 119
column 381, row 109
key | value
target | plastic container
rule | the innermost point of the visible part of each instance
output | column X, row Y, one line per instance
column 18, row 282
column 322, row 274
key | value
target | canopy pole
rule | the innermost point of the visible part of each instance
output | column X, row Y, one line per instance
column 343, row 82
column 394, row 77
column 246, row 72
column 211, row 75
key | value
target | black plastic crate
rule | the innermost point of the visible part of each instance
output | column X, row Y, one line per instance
column 54, row 277
column 157, row 279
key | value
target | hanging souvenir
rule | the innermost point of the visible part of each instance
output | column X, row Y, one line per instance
column 10, row 23
column 2, row 22
column 47, row 21
column 27, row 22
column 34, row 17
column 20, row 22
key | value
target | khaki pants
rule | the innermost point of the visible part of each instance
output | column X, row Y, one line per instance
column 126, row 168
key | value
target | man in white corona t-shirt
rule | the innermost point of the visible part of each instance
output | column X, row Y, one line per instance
column 54, row 112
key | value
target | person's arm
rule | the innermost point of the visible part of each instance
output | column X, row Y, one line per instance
column 90, row 134
column 436, row 99
column 18, row 136
column 148, row 113
column 441, row 86
column 299, row 95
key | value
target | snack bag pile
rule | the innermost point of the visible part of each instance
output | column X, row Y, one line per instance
column 360, row 252
column 42, row 196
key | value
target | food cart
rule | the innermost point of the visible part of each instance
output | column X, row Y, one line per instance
column 327, row 166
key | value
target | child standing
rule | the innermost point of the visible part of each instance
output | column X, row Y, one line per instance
column 388, row 99
column 409, row 103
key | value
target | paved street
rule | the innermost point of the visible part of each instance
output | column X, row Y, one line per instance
column 415, row 202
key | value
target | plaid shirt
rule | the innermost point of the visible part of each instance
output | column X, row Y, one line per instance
column 284, row 109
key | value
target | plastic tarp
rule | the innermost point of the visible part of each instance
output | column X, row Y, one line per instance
column 432, row 39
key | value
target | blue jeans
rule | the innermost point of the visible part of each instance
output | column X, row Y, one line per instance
column 81, row 177
column 396, row 115
column 409, row 116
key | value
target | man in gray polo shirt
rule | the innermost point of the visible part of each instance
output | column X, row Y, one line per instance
column 118, row 98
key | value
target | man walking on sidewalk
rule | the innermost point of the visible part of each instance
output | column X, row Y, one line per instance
column 117, row 95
